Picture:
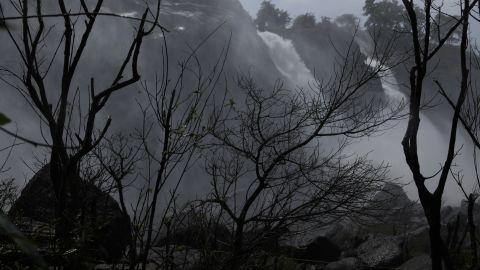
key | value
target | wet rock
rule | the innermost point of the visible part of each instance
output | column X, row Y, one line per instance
column 380, row 250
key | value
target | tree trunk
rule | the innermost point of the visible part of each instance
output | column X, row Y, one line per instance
column 59, row 186
column 237, row 253
column 64, row 176
column 435, row 247
column 471, row 226
column 439, row 251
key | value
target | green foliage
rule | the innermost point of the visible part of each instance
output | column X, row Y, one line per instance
column 306, row 20
column 4, row 119
column 271, row 18
column 385, row 15
column 8, row 194
column 389, row 19
column 325, row 20
column 348, row 21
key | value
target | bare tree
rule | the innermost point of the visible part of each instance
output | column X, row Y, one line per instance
column 424, row 51
column 8, row 188
column 470, row 121
column 277, row 159
column 68, row 147
column 160, row 152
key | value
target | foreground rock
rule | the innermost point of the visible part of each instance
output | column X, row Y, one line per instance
column 418, row 263
column 380, row 251
column 101, row 229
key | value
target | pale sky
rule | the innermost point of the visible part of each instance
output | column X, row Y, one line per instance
column 334, row 8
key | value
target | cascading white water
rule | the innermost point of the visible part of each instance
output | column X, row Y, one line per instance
column 433, row 142
column 286, row 59
column 387, row 146
column 388, row 80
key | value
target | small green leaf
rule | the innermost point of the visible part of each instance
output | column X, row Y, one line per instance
column 231, row 103
column 4, row 119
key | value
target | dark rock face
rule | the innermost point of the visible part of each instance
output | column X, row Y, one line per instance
column 101, row 228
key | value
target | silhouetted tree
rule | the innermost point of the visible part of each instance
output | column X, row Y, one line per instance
column 470, row 121
column 276, row 159
column 54, row 105
column 443, row 23
column 174, row 123
column 424, row 51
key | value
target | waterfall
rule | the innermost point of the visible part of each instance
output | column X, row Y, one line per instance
column 385, row 147
column 388, row 80
column 286, row 59
column 433, row 142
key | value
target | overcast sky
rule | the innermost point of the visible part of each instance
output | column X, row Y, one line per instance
column 330, row 8
column 334, row 8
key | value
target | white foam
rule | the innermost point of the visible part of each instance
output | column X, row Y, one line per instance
column 286, row 59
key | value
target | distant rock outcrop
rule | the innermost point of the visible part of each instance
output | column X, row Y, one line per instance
column 102, row 230
column 393, row 196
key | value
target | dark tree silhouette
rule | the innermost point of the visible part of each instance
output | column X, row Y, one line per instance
column 424, row 51
column 54, row 106
column 277, row 160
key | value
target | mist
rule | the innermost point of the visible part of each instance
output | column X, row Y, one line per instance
column 275, row 133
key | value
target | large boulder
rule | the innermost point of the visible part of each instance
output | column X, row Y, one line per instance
column 393, row 195
column 421, row 262
column 398, row 209
column 101, row 229
column 346, row 234
column 380, row 251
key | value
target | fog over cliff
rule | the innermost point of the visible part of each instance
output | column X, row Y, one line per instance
column 266, row 56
